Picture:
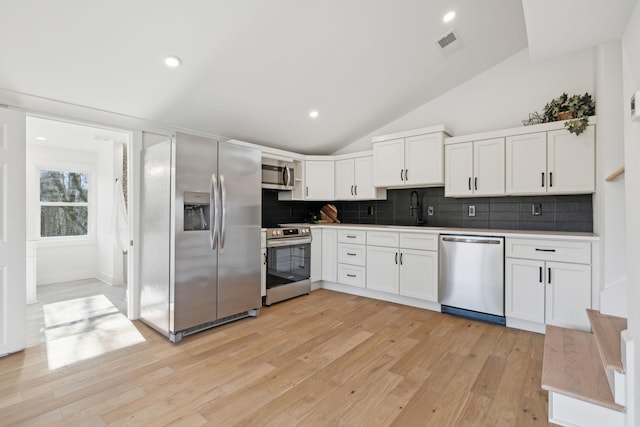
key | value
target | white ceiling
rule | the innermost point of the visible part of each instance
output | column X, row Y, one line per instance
column 560, row 27
column 253, row 69
column 70, row 135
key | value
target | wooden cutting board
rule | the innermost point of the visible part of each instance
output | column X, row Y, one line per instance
column 329, row 214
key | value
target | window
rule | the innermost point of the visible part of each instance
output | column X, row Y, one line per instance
column 64, row 203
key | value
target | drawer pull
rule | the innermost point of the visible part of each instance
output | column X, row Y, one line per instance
column 351, row 275
column 351, row 237
column 350, row 254
column 545, row 250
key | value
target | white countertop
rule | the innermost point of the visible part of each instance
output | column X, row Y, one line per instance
column 531, row 234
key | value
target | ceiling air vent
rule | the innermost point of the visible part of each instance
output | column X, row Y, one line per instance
column 447, row 39
column 450, row 43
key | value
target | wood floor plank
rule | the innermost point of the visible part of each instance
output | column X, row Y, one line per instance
column 322, row 359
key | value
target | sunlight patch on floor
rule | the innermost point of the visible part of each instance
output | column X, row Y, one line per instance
column 84, row 328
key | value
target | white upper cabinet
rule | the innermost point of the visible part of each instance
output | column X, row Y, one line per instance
column 424, row 159
column 354, row 180
column 319, row 180
column 458, row 169
column 409, row 159
column 488, row 167
column 345, row 178
column 527, row 163
column 554, row 162
column 571, row 161
column 538, row 159
column 388, row 163
column 363, row 180
column 475, row 168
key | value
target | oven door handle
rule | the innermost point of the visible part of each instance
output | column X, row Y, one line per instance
column 278, row 243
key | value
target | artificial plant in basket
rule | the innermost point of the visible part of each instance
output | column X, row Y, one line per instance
column 574, row 109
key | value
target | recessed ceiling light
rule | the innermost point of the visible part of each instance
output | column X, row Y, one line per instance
column 448, row 17
column 172, row 61
column 313, row 114
column 41, row 138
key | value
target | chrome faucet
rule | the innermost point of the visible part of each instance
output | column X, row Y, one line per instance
column 419, row 220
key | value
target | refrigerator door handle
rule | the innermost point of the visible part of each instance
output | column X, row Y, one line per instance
column 213, row 212
column 223, row 208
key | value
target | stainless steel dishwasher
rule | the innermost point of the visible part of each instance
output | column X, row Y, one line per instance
column 471, row 282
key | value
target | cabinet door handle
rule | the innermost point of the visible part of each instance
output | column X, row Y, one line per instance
column 469, row 183
column 352, row 190
column 396, row 258
column 400, row 258
column 401, row 177
column 406, row 174
column 307, row 191
column 350, row 254
column 542, row 179
column 550, row 179
column 545, row 250
column 351, row 275
column 265, row 258
column 540, row 279
column 475, row 182
column 549, row 275
column 355, row 189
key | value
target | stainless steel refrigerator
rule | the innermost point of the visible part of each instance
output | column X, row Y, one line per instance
column 200, row 234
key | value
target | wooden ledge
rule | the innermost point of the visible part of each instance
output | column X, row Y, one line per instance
column 606, row 330
column 571, row 366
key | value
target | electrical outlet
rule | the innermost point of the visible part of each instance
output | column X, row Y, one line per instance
column 472, row 210
column 430, row 210
column 536, row 209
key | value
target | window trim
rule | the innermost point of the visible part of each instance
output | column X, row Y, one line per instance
column 70, row 167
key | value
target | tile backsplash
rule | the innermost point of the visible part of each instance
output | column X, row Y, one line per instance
column 557, row 213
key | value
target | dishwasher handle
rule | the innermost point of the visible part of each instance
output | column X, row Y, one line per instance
column 471, row 240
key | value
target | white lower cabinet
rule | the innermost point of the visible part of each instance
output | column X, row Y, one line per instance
column 316, row 255
column 330, row 255
column 568, row 295
column 383, row 269
column 419, row 274
column 352, row 257
column 403, row 266
column 524, row 293
column 353, row 275
column 544, row 290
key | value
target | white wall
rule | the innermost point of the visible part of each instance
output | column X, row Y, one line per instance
column 609, row 199
column 631, row 83
column 104, row 235
column 499, row 98
column 59, row 261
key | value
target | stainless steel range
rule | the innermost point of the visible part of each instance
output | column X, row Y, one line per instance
column 288, row 263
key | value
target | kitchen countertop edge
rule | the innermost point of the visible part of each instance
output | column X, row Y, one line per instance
column 533, row 234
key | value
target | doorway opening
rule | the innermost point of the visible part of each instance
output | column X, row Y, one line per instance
column 77, row 231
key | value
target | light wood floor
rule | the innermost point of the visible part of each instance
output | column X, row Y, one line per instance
column 72, row 307
column 324, row 359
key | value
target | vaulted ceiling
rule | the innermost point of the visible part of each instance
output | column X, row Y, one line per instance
column 254, row 69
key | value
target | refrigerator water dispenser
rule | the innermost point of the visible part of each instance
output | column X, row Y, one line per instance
column 196, row 211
